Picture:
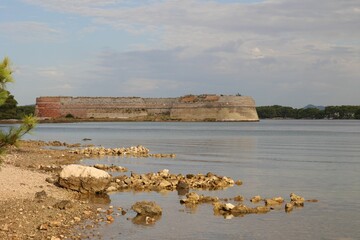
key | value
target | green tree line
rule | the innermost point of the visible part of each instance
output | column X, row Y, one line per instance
column 330, row 112
column 10, row 110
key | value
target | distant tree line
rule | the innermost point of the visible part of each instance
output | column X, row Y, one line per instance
column 330, row 112
column 10, row 110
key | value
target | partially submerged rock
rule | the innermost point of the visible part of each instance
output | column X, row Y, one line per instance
column 194, row 198
column 111, row 168
column 297, row 200
column 147, row 208
column 255, row 199
column 164, row 180
column 84, row 179
column 238, row 210
column 134, row 151
column 274, row 201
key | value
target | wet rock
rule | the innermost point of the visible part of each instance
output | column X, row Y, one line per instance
column 255, row 199
column 136, row 151
column 182, row 185
column 110, row 218
column 239, row 198
column 228, row 207
column 289, row 207
column 84, row 179
column 193, row 198
column 297, row 200
column 238, row 210
column 146, row 208
column 111, row 168
column 274, row 201
column 145, row 220
column 238, row 182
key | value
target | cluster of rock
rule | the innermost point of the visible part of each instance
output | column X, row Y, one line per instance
column 229, row 210
column 147, row 212
column 86, row 179
column 164, row 180
column 134, row 151
column 110, row 168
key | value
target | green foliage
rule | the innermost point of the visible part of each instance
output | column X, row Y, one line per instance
column 23, row 111
column 14, row 134
column 330, row 112
column 8, row 109
column 5, row 77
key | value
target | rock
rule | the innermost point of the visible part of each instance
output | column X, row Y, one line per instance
column 289, row 207
column 52, row 179
column 182, row 185
column 43, row 227
column 228, row 207
column 55, row 224
column 110, row 218
column 146, row 208
column 111, row 189
column 238, row 182
column 164, row 184
column 239, row 198
column 64, row 205
column 294, row 197
column 274, row 201
column 84, row 179
column 41, row 195
column 255, row 199
column 296, row 200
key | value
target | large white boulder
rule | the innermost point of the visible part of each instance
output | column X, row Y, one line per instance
column 84, row 179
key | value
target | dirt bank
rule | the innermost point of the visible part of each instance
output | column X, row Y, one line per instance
column 33, row 208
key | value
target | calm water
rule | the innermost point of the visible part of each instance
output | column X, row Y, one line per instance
column 315, row 159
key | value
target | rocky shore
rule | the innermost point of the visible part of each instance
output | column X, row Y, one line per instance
column 46, row 195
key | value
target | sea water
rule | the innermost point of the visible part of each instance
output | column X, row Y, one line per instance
column 317, row 159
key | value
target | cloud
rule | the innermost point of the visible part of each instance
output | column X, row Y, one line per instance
column 279, row 51
column 28, row 31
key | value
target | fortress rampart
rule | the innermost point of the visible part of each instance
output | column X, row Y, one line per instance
column 186, row 108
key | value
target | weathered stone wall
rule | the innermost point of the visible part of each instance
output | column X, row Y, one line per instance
column 187, row 108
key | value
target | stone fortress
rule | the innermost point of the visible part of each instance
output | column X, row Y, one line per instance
column 207, row 107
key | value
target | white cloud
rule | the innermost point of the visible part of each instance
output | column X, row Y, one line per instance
column 28, row 31
column 295, row 48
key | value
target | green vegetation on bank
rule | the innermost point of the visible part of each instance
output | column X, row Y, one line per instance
column 10, row 110
column 330, row 112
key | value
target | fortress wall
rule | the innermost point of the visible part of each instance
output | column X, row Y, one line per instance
column 187, row 108
column 158, row 106
column 48, row 107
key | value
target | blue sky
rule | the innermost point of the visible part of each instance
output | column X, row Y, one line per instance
column 286, row 52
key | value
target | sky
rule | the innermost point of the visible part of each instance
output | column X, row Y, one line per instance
column 285, row 52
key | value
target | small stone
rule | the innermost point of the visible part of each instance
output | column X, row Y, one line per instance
column 239, row 198
column 77, row 219
column 41, row 195
column 228, row 207
column 110, row 218
column 289, row 207
column 43, row 227
column 55, row 224
column 238, row 182
column 255, row 199
column 63, row 205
